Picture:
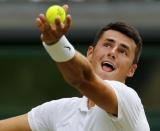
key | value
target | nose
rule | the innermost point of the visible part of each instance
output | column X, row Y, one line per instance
column 112, row 53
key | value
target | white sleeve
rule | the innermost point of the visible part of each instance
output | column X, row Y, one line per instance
column 129, row 104
column 41, row 118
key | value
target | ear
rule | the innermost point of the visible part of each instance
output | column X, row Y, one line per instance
column 132, row 70
column 90, row 52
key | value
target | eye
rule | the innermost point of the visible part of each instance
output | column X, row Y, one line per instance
column 107, row 44
column 123, row 51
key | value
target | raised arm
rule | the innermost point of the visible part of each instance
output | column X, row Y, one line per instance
column 78, row 71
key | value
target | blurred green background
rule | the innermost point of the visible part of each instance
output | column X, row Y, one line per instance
column 28, row 76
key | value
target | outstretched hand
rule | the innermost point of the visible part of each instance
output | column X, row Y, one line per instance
column 50, row 33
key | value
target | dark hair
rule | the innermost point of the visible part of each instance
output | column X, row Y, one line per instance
column 126, row 29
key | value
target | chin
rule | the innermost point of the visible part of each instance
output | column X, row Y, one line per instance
column 107, row 76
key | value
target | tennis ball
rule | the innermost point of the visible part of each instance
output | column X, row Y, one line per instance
column 54, row 11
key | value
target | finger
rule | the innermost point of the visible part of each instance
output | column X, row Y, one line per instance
column 58, row 24
column 68, row 23
column 39, row 25
column 66, row 8
column 53, row 33
column 38, row 22
column 42, row 18
column 42, row 23
column 44, row 27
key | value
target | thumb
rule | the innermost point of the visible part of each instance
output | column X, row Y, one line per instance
column 66, row 8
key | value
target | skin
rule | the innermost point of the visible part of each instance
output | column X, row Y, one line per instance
column 19, row 123
column 117, row 49
column 113, row 47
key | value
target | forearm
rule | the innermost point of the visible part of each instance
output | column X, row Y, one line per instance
column 19, row 123
column 75, row 67
column 77, row 71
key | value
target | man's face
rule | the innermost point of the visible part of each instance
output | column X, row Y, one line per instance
column 112, row 57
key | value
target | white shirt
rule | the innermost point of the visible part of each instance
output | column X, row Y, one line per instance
column 72, row 114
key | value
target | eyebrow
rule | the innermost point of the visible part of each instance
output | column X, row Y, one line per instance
column 110, row 40
column 121, row 44
column 125, row 46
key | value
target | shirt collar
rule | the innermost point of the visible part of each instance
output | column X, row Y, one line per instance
column 83, row 104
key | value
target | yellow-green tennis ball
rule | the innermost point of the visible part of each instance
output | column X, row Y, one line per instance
column 54, row 11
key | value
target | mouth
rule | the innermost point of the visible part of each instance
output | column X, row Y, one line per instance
column 108, row 66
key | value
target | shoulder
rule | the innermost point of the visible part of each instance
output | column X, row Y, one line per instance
column 123, row 90
column 46, row 115
column 55, row 106
column 130, row 109
column 66, row 103
column 60, row 104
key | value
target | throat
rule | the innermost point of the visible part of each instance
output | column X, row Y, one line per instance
column 90, row 104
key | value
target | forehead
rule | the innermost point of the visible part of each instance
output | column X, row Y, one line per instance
column 118, row 38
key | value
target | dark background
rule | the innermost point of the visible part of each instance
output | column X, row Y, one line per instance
column 28, row 76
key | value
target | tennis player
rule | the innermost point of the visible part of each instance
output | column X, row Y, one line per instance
column 107, row 103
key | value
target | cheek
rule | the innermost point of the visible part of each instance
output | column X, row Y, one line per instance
column 96, row 58
column 99, row 52
column 127, row 60
column 125, row 63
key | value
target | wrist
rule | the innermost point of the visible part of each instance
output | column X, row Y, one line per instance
column 61, row 51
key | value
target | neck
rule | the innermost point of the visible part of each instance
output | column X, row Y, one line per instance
column 90, row 104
